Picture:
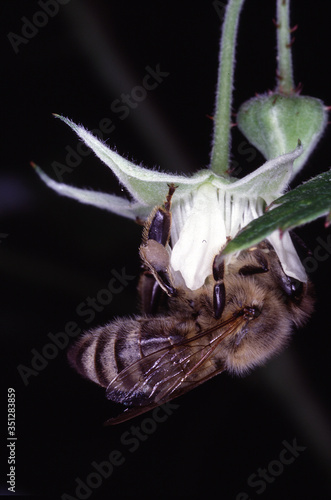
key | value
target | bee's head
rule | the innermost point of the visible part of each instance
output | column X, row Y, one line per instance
column 267, row 304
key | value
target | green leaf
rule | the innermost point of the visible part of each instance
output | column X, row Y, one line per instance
column 304, row 204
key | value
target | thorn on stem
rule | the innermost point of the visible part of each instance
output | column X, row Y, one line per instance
column 278, row 75
column 275, row 99
column 289, row 45
column 298, row 88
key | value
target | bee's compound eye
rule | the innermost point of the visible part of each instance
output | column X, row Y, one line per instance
column 292, row 287
column 296, row 287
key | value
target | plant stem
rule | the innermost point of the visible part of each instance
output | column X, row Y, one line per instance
column 222, row 117
column 285, row 83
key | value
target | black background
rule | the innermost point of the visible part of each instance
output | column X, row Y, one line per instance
column 58, row 252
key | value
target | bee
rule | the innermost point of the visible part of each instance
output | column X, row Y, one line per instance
column 242, row 315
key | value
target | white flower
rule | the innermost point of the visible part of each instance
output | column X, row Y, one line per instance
column 207, row 209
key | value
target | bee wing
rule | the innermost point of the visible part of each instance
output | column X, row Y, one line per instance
column 132, row 412
column 129, row 413
column 155, row 376
column 168, row 372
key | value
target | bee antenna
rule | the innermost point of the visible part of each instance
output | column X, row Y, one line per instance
column 219, row 299
column 219, row 288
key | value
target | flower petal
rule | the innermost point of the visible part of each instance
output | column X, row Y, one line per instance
column 201, row 237
column 288, row 256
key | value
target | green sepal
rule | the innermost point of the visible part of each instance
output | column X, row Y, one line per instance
column 146, row 186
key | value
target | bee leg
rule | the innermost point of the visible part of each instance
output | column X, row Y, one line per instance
column 156, row 259
column 158, row 224
column 149, row 292
column 153, row 250
column 262, row 266
column 219, row 288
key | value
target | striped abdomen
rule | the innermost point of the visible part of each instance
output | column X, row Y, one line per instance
column 104, row 352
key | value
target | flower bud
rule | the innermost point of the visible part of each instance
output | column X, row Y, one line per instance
column 273, row 123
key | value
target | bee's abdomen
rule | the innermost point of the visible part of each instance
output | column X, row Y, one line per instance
column 81, row 356
column 104, row 352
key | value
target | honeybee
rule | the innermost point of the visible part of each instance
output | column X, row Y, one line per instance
column 239, row 318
